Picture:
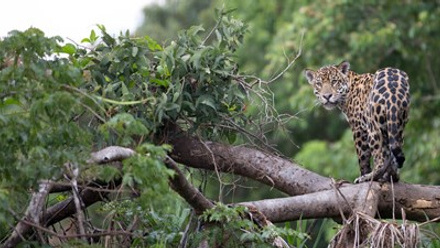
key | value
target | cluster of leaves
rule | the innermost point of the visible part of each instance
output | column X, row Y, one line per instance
column 44, row 122
column 36, row 116
column 187, row 81
column 241, row 231
column 154, row 228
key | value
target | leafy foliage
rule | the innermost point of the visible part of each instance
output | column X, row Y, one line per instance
column 61, row 100
column 36, row 114
column 231, row 222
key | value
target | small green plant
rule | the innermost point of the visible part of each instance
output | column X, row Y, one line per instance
column 237, row 227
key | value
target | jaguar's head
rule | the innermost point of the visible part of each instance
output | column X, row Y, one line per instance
column 330, row 84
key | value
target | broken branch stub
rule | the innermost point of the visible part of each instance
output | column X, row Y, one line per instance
column 110, row 154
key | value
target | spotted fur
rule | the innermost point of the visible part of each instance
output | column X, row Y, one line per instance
column 376, row 106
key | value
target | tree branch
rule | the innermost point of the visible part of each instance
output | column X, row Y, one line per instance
column 33, row 212
column 184, row 188
column 418, row 203
column 269, row 169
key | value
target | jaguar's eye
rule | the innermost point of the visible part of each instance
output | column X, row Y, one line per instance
column 342, row 89
column 334, row 82
column 318, row 84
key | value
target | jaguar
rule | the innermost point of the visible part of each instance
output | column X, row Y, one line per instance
column 376, row 106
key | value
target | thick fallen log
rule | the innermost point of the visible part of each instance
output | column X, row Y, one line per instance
column 419, row 203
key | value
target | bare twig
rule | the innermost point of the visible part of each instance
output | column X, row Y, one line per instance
column 99, row 105
column 339, row 194
column 93, row 112
column 184, row 239
column 298, row 54
column 58, row 187
column 88, row 235
column 216, row 169
column 217, row 24
column 74, row 173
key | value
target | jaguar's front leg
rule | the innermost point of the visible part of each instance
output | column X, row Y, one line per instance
column 363, row 150
column 376, row 148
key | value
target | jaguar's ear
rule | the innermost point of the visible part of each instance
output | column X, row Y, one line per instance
column 310, row 75
column 344, row 67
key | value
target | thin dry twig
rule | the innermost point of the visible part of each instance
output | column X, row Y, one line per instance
column 338, row 194
column 184, row 240
column 73, row 170
column 88, row 235
column 216, row 169
column 366, row 231
column 298, row 54
column 68, row 87
column 217, row 24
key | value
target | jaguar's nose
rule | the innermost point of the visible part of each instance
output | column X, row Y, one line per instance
column 327, row 96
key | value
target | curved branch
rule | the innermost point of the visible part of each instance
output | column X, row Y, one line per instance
column 191, row 194
column 270, row 169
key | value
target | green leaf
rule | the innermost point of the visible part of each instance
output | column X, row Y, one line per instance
column 232, row 137
column 194, row 30
column 152, row 44
column 206, row 100
column 128, row 180
column 160, row 82
column 69, row 49
column 134, row 51
column 172, row 106
column 86, row 40
column 10, row 105
column 93, row 36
